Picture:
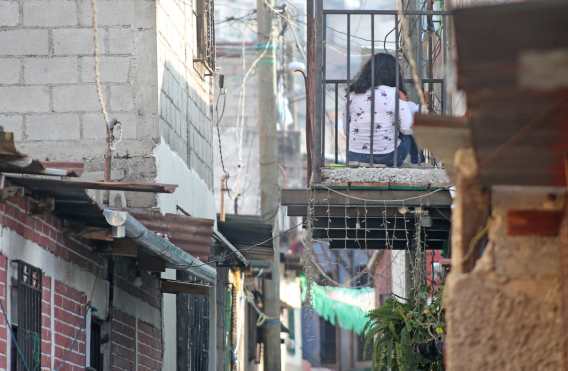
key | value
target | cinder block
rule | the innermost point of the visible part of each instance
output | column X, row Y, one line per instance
column 94, row 125
column 76, row 41
column 50, row 13
column 57, row 70
column 113, row 69
column 24, row 99
column 53, row 126
column 73, row 98
column 109, row 12
column 24, row 42
column 9, row 13
column 14, row 124
column 121, row 41
column 9, row 70
column 121, row 98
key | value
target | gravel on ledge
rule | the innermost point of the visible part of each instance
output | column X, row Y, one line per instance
column 386, row 176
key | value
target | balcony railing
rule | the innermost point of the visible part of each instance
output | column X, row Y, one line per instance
column 344, row 40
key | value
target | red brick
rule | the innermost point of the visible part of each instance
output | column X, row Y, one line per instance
column 70, row 356
column 65, row 329
column 124, row 318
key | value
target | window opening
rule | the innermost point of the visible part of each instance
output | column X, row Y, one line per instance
column 26, row 317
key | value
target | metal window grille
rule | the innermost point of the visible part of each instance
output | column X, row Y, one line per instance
column 97, row 360
column 332, row 86
column 206, row 33
column 328, row 343
column 199, row 332
column 26, row 299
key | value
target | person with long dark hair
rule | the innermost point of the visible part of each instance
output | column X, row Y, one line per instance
column 360, row 102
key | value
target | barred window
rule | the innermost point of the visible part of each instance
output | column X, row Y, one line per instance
column 205, row 33
column 26, row 317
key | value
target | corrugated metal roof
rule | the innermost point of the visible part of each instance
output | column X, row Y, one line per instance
column 193, row 235
column 250, row 235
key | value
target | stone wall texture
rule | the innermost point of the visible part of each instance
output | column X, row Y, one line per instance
column 504, row 315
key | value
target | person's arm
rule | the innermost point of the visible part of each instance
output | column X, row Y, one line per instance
column 406, row 115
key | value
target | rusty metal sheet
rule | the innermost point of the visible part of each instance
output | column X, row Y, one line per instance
column 193, row 235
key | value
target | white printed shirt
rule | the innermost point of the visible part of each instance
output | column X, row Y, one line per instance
column 384, row 128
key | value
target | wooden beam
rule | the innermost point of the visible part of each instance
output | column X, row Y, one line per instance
column 180, row 287
column 563, row 258
column 151, row 263
column 124, row 247
column 470, row 213
column 97, row 234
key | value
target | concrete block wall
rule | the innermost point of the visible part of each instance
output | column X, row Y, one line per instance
column 185, row 89
column 47, row 85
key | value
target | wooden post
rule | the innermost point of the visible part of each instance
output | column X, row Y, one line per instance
column 471, row 211
column 563, row 257
column 222, row 190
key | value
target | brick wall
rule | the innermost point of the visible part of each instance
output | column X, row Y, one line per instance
column 123, row 341
column 70, row 336
column 46, row 324
column 135, row 344
column 149, row 345
column 47, row 78
column 47, row 232
column 3, row 329
column 185, row 102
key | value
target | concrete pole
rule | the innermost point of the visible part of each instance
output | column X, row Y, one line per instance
column 269, row 174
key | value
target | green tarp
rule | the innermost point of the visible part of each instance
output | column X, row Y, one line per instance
column 346, row 307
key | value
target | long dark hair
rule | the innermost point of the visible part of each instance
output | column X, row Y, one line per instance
column 385, row 74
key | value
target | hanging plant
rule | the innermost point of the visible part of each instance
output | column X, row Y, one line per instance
column 407, row 336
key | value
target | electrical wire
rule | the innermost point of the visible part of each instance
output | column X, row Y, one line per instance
column 217, row 125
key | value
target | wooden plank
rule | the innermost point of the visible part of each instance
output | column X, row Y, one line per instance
column 534, row 222
column 443, row 136
column 124, row 247
column 470, row 212
column 151, row 263
column 180, row 287
column 101, row 185
column 97, row 234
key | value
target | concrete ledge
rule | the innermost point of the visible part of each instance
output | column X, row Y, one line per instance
column 386, row 176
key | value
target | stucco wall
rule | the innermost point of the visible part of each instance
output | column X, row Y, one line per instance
column 504, row 315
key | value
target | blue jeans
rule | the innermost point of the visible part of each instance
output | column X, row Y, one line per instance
column 406, row 147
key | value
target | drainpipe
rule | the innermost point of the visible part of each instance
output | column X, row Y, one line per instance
column 126, row 226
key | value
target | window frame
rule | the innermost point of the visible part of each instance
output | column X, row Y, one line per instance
column 26, row 303
column 204, row 15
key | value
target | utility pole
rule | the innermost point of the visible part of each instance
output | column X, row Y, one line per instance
column 269, row 174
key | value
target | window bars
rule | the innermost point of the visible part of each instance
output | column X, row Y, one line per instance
column 429, row 38
column 206, row 34
column 27, row 286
